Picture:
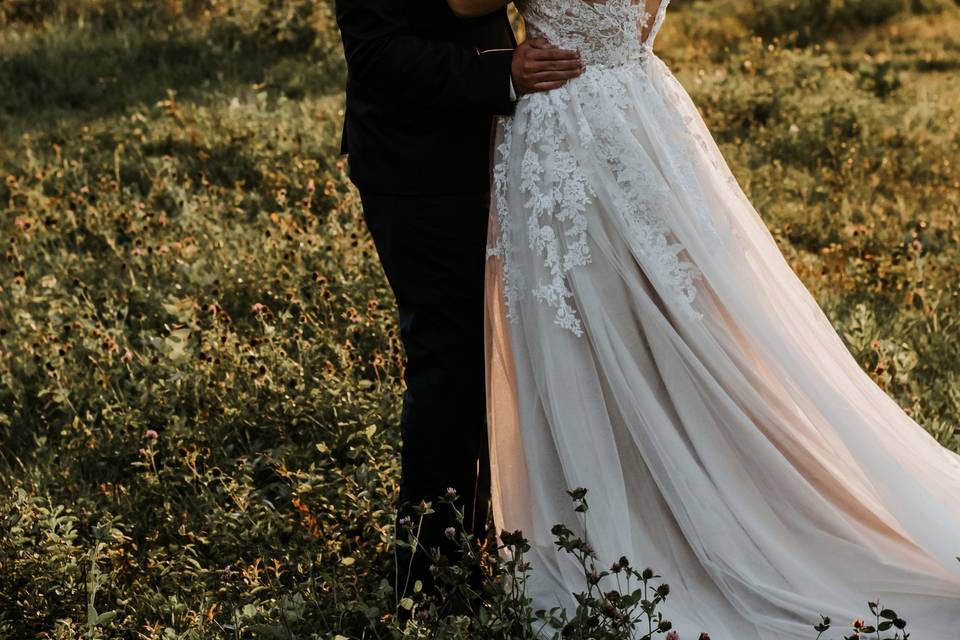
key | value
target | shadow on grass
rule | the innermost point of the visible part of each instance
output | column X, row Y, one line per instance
column 64, row 79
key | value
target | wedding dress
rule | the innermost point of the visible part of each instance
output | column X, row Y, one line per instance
column 647, row 340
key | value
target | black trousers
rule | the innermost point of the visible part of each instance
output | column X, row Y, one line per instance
column 433, row 251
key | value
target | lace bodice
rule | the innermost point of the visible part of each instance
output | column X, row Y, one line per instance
column 606, row 32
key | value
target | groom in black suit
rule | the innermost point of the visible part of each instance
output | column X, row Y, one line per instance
column 423, row 88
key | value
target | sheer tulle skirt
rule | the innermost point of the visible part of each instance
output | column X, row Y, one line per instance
column 648, row 341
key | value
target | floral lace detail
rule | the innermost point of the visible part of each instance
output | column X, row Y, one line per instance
column 554, row 195
column 607, row 32
column 640, row 198
column 541, row 168
column 556, row 189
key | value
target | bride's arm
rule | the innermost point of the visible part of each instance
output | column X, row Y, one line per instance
column 476, row 8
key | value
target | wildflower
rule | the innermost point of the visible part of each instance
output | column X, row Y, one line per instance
column 673, row 635
column 127, row 356
column 151, row 434
column 422, row 614
column 451, row 493
column 704, row 636
column 450, row 532
column 434, row 569
column 578, row 494
column 258, row 307
column 858, row 623
column 405, row 521
column 512, row 539
column 616, row 568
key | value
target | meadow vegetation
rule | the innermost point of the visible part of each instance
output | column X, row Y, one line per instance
column 199, row 362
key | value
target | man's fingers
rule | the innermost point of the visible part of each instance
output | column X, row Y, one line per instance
column 543, row 67
column 548, row 86
column 539, row 66
column 554, row 54
column 553, row 76
column 549, row 81
column 539, row 43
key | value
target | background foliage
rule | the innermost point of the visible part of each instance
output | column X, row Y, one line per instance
column 199, row 367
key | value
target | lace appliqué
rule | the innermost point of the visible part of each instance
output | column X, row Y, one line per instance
column 555, row 189
column 605, row 32
column 641, row 196
column 554, row 195
column 538, row 165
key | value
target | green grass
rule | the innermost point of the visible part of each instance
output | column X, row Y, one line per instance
column 184, row 255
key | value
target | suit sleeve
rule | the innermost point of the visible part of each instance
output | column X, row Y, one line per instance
column 384, row 55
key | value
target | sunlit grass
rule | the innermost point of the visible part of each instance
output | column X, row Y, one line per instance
column 200, row 367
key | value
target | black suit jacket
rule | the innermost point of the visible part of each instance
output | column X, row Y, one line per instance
column 423, row 87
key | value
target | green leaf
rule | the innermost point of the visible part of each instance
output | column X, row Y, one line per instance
column 182, row 310
column 105, row 617
column 176, row 345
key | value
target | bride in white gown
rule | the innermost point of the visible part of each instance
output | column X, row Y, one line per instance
column 647, row 340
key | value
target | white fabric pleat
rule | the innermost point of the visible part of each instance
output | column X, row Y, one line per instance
column 676, row 367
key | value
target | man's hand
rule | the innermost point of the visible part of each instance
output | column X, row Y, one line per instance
column 540, row 66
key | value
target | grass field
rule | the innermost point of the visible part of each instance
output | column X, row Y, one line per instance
column 199, row 366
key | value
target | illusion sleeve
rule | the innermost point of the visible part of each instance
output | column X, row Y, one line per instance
column 654, row 13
